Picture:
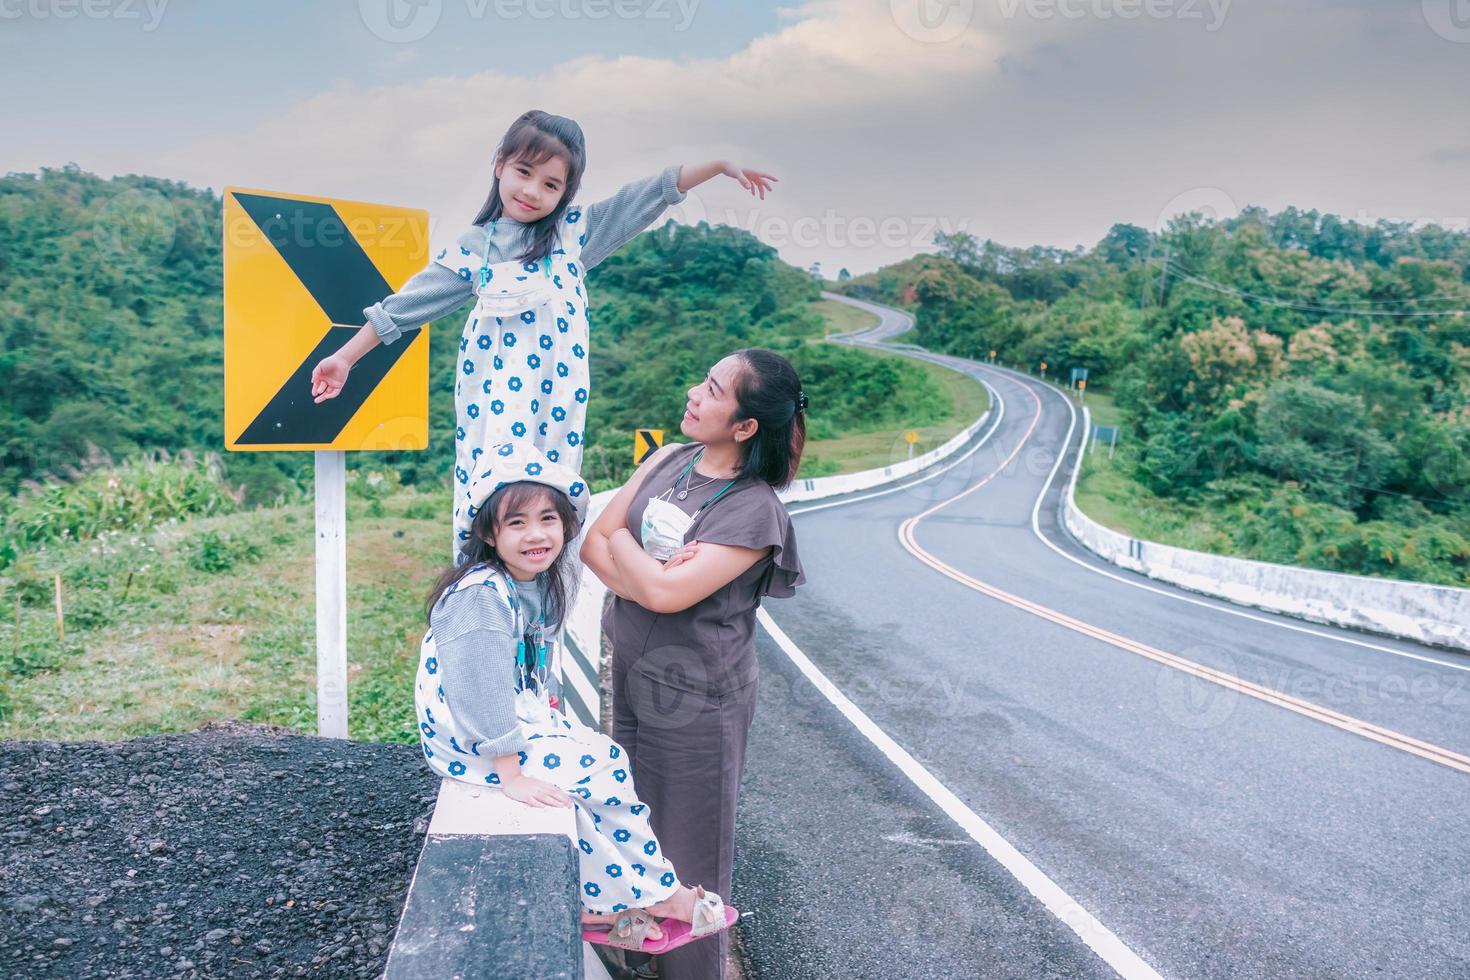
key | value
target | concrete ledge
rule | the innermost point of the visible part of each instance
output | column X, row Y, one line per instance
column 490, row 906
column 1436, row 615
column 493, row 873
column 471, row 810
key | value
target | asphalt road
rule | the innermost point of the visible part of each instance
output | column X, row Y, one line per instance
column 1071, row 706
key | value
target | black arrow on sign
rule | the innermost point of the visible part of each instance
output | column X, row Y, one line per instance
column 315, row 243
column 646, row 444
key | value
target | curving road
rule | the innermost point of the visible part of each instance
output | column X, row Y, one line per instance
column 1030, row 763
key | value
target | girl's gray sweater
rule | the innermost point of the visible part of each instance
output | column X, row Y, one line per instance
column 436, row 291
column 475, row 644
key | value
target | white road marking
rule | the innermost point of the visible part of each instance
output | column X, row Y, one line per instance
column 1097, row 936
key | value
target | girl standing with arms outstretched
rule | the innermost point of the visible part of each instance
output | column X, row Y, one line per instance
column 522, row 371
column 682, row 627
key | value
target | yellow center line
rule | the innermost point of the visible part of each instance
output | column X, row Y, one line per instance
column 1348, row 723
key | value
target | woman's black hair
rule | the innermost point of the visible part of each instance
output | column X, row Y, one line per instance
column 477, row 551
column 769, row 391
column 535, row 137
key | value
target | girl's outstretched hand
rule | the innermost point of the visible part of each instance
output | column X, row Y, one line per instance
column 752, row 180
column 534, row 792
column 328, row 377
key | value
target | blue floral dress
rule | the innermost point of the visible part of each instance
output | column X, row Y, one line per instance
column 620, row 861
column 523, row 370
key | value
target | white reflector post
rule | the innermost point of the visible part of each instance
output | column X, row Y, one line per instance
column 331, row 593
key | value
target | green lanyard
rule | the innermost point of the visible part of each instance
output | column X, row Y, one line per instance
column 484, row 277
column 525, row 665
column 690, row 469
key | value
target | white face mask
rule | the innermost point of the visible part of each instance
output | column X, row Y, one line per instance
column 664, row 527
column 511, row 298
column 532, row 707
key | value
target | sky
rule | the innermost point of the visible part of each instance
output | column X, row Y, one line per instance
column 1026, row 121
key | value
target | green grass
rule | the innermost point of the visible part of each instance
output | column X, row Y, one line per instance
column 842, row 318
column 1103, row 411
column 1106, row 494
column 217, row 622
column 857, row 451
column 1109, row 496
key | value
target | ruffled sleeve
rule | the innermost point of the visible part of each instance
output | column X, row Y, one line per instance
column 756, row 518
column 465, row 256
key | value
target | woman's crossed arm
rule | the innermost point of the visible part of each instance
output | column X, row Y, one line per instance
column 619, row 560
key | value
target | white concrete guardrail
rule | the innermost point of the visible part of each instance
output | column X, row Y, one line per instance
column 1438, row 615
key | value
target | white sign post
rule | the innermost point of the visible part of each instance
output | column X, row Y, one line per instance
column 331, row 593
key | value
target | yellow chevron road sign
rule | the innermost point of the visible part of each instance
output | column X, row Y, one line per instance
column 294, row 266
column 645, row 443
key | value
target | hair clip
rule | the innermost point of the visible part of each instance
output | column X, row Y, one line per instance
column 801, row 401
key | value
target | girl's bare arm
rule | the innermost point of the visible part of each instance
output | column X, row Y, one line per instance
column 755, row 181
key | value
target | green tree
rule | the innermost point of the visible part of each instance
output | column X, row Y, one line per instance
column 1322, row 440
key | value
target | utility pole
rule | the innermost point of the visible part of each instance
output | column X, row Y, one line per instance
column 1143, row 284
column 1164, row 274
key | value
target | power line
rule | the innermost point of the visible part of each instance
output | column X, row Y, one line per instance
column 1205, row 283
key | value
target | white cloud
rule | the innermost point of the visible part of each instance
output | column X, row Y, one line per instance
column 838, row 68
column 1023, row 128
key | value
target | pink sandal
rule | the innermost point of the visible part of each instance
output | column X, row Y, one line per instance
column 711, row 916
column 630, row 931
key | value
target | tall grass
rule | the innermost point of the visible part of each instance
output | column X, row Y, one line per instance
column 100, row 496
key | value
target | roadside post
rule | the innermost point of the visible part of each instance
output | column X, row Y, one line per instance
column 1079, row 381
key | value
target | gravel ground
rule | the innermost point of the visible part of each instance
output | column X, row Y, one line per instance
column 233, row 851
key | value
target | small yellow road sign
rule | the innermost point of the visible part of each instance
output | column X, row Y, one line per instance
column 645, row 443
column 911, row 436
column 294, row 266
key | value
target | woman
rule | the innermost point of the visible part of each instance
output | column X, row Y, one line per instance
column 684, row 667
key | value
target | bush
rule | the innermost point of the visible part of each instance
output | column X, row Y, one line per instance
column 425, row 508
column 135, row 496
column 214, row 551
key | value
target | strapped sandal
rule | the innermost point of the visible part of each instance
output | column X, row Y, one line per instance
column 629, row 931
column 709, row 914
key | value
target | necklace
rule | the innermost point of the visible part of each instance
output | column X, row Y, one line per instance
column 683, row 494
column 688, row 475
column 687, row 471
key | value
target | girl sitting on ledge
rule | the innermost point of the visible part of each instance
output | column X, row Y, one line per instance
column 483, row 699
